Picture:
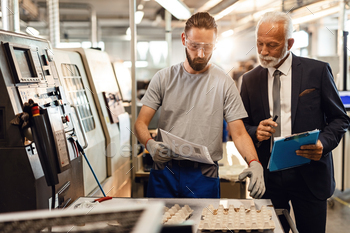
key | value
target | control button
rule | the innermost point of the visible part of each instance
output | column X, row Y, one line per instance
column 56, row 103
column 65, row 119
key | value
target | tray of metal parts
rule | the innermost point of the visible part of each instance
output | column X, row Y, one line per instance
column 236, row 219
column 176, row 214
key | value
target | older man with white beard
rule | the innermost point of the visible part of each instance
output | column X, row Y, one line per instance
column 302, row 93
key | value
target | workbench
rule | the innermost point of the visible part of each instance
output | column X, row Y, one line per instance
column 195, row 204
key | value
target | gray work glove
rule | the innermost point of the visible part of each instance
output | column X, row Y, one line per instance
column 159, row 152
column 256, row 173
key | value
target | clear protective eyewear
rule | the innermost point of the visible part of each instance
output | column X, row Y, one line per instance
column 195, row 46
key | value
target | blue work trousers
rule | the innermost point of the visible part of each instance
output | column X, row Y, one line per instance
column 184, row 179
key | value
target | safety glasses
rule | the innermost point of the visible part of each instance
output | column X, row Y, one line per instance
column 195, row 46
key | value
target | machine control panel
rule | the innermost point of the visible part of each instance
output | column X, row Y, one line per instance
column 60, row 137
column 51, row 99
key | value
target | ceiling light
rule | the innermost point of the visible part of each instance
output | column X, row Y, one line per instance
column 316, row 15
column 176, row 8
column 140, row 7
column 227, row 33
column 225, row 12
column 0, row 14
column 138, row 16
column 208, row 5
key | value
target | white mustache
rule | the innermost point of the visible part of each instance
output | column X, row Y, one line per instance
column 268, row 58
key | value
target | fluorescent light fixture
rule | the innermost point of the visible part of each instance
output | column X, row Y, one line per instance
column 32, row 31
column 254, row 17
column 138, row 16
column 139, row 64
column 176, row 8
column 316, row 15
column 227, row 33
column 208, row 5
column 225, row 12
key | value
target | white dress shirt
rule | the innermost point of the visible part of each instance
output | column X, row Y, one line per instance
column 285, row 95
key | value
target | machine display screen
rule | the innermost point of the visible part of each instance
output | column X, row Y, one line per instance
column 23, row 62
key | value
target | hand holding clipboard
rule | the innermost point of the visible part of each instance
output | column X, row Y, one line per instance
column 313, row 152
column 284, row 151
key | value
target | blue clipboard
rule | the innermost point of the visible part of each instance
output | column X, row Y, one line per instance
column 283, row 154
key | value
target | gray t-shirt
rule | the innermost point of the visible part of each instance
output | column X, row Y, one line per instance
column 194, row 105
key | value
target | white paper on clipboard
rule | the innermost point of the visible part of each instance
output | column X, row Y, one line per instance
column 185, row 149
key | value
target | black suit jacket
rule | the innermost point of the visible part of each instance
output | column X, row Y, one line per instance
column 315, row 105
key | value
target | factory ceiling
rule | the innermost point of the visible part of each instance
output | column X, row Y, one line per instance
column 113, row 15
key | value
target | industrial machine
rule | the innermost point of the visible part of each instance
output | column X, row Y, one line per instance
column 99, row 90
column 34, row 158
column 123, row 218
column 73, row 78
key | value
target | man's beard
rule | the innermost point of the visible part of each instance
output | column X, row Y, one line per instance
column 197, row 63
column 273, row 60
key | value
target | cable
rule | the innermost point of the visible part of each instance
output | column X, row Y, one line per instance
column 53, row 199
column 74, row 145
column 76, row 148
column 92, row 170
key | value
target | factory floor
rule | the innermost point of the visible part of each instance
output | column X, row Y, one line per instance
column 338, row 216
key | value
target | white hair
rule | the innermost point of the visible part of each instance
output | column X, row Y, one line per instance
column 277, row 17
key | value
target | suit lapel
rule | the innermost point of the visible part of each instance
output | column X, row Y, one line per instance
column 264, row 92
column 296, row 84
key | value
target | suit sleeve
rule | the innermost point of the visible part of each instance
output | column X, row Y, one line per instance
column 251, row 129
column 337, row 121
